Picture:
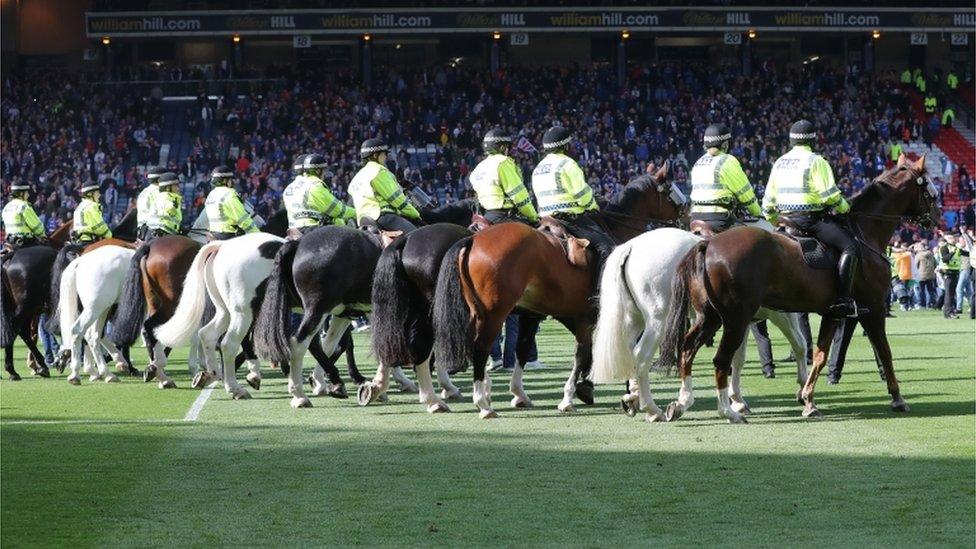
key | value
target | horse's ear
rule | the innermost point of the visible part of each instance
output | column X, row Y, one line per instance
column 902, row 159
column 389, row 236
column 662, row 173
column 650, row 168
column 920, row 164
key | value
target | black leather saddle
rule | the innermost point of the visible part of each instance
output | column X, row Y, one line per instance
column 816, row 254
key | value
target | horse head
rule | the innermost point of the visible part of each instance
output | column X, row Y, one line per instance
column 901, row 191
column 645, row 202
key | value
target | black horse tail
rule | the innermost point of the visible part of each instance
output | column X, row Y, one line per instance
column 65, row 255
column 452, row 317
column 272, row 327
column 7, row 335
column 392, row 299
column 131, row 310
column 691, row 266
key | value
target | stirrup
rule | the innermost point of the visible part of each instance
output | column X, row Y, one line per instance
column 846, row 309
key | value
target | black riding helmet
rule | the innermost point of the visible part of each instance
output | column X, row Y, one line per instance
column 154, row 173
column 496, row 141
column 556, row 139
column 20, row 191
column 167, row 179
column 372, row 147
column 718, row 136
column 314, row 164
column 803, row 132
column 221, row 176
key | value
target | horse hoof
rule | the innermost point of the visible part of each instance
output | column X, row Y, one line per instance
column 202, row 379
column 741, row 407
column 899, row 406
column 736, row 419
column 812, row 412
column 254, row 381
column 522, row 402
column 365, row 394
column 584, row 391
column 566, row 407
column 629, row 406
column 674, row 411
column 301, row 402
column 655, row 418
column 71, row 380
column 168, row 384
column 111, row 378
column 799, row 397
column 488, row 414
column 383, row 398
column 455, row 395
column 242, row 394
column 94, row 377
column 122, row 368
column 14, row 377
column 338, row 391
column 149, row 374
column 437, row 408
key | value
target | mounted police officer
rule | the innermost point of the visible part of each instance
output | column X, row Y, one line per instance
column 719, row 187
column 145, row 202
column 88, row 224
column 21, row 224
column 497, row 180
column 167, row 213
column 562, row 192
column 377, row 195
column 308, row 200
column 801, row 190
column 225, row 210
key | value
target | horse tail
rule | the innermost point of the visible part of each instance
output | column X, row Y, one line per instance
column 186, row 319
column 619, row 324
column 272, row 327
column 61, row 262
column 452, row 317
column 692, row 265
column 393, row 305
column 68, row 304
column 7, row 335
column 131, row 310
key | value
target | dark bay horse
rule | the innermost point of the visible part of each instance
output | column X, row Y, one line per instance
column 728, row 278
column 26, row 280
column 483, row 278
column 327, row 271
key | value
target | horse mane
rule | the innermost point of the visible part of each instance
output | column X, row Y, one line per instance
column 631, row 193
column 873, row 192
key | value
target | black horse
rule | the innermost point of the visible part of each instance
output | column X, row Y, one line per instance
column 327, row 271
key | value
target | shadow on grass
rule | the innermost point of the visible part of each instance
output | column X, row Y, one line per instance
column 262, row 485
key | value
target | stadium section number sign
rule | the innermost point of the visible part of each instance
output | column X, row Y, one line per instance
column 301, row 41
column 284, row 22
column 520, row 39
column 919, row 39
column 960, row 39
column 733, row 38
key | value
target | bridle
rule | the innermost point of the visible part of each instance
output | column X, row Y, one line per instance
column 640, row 224
column 928, row 197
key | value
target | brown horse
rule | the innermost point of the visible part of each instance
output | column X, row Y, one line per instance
column 728, row 278
column 484, row 277
column 26, row 278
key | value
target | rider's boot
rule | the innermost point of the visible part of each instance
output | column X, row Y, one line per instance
column 844, row 306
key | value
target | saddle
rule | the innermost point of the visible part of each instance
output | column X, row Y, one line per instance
column 576, row 249
column 385, row 237
column 816, row 254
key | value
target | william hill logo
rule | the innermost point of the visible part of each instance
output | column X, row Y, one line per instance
column 704, row 19
column 931, row 20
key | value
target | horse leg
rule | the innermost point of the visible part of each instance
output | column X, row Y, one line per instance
column 209, row 335
column 253, row 377
column 8, row 363
column 347, row 347
column 734, row 330
column 42, row 369
column 706, row 324
column 230, row 345
column 332, row 340
column 84, row 321
column 827, row 328
column 577, row 382
column 738, row 403
column 159, row 351
column 428, row 396
column 449, row 391
column 789, row 324
column 122, row 362
column 527, row 325
column 193, row 358
column 94, row 339
column 874, row 325
column 486, row 331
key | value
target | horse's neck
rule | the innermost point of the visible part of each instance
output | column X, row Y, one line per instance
column 888, row 206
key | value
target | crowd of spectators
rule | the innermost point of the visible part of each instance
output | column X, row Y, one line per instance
column 60, row 132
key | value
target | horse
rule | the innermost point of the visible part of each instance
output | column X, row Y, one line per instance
column 635, row 297
column 93, row 281
column 327, row 271
column 403, row 292
column 485, row 276
column 726, row 279
column 26, row 279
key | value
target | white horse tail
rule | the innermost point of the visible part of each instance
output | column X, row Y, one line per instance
column 185, row 322
column 68, row 303
column 619, row 325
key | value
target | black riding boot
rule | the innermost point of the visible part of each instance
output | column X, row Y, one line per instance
column 844, row 306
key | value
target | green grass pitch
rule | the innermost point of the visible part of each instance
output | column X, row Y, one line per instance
column 115, row 465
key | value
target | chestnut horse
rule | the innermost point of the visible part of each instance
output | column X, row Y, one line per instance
column 728, row 278
column 26, row 279
column 483, row 278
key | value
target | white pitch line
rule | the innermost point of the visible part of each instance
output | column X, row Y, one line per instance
column 194, row 412
column 87, row 421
